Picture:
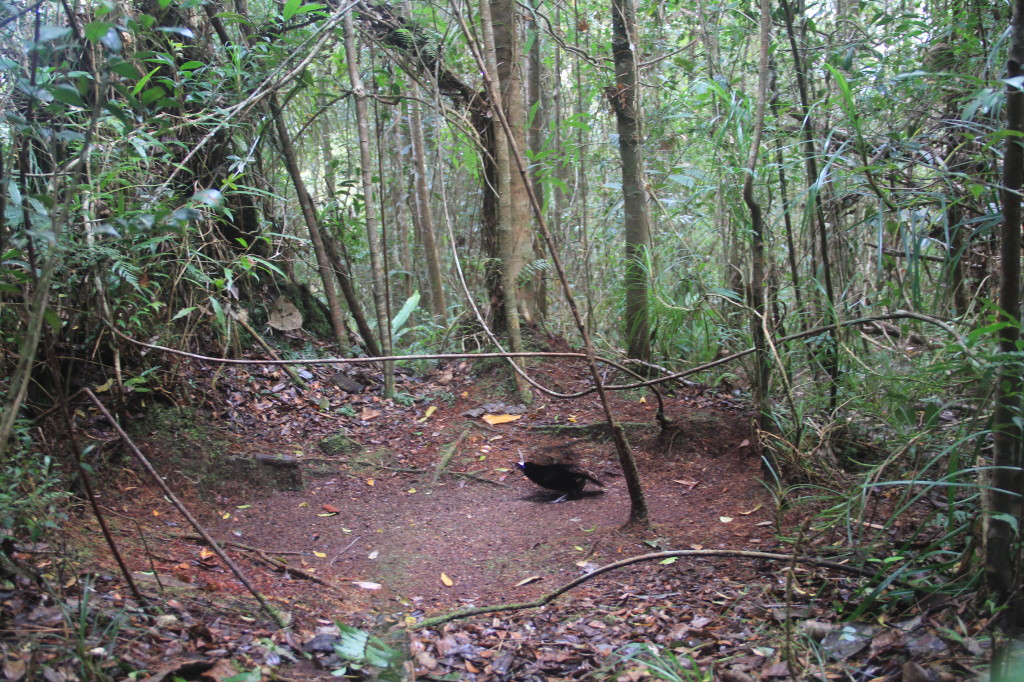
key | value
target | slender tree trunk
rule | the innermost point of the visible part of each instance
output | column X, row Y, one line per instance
column 312, row 222
column 759, row 310
column 424, row 218
column 534, row 298
column 831, row 352
column 370, row 206
column 625, row 101
column 1003, row 546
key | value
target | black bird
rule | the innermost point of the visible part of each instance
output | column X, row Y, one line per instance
column 564, row 478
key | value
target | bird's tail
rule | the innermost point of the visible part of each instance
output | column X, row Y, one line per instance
column 592, row 479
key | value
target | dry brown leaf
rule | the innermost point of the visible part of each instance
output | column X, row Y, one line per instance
column 330, row 508
column 527, row 581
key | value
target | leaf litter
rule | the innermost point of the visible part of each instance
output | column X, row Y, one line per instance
column 737, row 619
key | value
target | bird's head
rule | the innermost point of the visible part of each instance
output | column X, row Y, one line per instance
column 521, row 465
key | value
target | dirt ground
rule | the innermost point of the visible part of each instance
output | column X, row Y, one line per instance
column 385, row 514
column 421, row 512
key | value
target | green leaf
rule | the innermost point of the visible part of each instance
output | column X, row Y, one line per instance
column 403, row 315
column 352, row 646
column 123, row 68
column 142, row 82
column 50, row 33
column 96, row 30
column 290, row 8
column 311, row 7
column 183, row 312
column 52, row 319
column 68, row 94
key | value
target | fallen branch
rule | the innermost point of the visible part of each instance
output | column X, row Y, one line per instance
column 182, row 509
column 554, row 594
column 277, row 563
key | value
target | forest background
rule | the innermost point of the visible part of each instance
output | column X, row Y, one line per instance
column 814, row 203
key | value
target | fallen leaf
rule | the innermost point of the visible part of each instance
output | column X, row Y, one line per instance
column 367, row 585
column 105, row 386
column 527, row 581
column 330, row 508
column 368, row 414
column 751, row 511
column 494, row 419
column 745, row 443
column 725, row 519
column 226, row 515
column 369, row 481
column 244, row 506
column 319, row 555
column 471, row 668
column 446, row 580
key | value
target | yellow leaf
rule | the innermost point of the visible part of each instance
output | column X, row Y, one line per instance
column 494, row 419
column 226, row 515
column 304, row 504
column 572, row 418
column 205, row 553
column 319, row 555
column 643, row 400
column 369, row 481
column 446, row 580
column 105, row 386
column 411, row 490
column 410, row 621
column 156, row 513
column 751, row 511
column 527, row 581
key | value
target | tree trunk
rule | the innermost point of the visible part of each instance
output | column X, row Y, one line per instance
column 424, row 218
column 830, row 359
column 312, row 222
column 1002, row 547
column 370, row 206
column 756, row 295
column 625, row 101
column 512, row 215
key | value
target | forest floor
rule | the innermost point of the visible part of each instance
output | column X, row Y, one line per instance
column 418, row 511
